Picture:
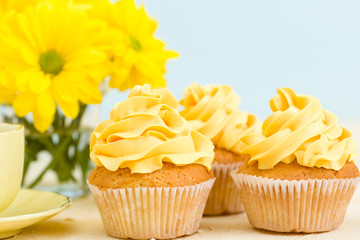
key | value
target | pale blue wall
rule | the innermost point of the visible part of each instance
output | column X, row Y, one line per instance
column 257, row 46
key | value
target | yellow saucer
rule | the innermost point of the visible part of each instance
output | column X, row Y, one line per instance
column 30, row 207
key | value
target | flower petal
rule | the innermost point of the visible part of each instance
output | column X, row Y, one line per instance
column 70, row 109
column 64, row 87
column 23, row 104
column 85, row 57
column 39, row 82
column 46, row 105
column 29, row 55
column 41, row 124
column 90, row 94
column 66, row 96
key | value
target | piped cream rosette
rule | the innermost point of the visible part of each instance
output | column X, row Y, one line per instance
column 146, row 130
column 213, row 111
column 299, row 129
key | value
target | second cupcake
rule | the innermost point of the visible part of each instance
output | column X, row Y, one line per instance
column 213, row 111
column 153, row 173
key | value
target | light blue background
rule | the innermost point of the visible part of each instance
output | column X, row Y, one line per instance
column 257, row 46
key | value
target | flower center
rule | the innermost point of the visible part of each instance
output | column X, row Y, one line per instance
column 51, row 62
column 135, row 44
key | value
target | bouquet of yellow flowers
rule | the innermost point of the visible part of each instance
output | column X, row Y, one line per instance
column 55, row 54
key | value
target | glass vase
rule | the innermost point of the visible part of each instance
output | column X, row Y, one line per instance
column 57, row 160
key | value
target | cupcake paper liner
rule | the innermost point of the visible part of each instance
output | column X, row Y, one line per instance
column 145, row 213
column 224, row 197
column 313, row 205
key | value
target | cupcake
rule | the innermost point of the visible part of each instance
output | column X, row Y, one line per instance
column 213, row 111
column 153, row 175
column 300, row 176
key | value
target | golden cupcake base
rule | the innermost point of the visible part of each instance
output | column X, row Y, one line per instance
column 145, row 212
column 224, row 197
column 313, row 205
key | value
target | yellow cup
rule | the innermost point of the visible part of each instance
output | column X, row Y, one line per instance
column 11, row 162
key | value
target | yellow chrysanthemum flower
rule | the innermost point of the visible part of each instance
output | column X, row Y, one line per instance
column 7, row 8
column 48, row 53
column 138, row 57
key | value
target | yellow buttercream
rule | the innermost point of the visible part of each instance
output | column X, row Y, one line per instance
column 213, row 111
column 300, row 129
column 146, row 130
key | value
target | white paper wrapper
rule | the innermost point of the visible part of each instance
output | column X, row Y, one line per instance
column 224, row 197
column 145, row 213
column 313, row 205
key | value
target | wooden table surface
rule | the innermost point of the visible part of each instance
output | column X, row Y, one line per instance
column 82, row 221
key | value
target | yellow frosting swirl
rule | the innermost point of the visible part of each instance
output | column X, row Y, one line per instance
column 146, row 130
column 213, row 111
column 300, row 129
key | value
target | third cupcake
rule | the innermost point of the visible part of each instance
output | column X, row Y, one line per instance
column 213, row 111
